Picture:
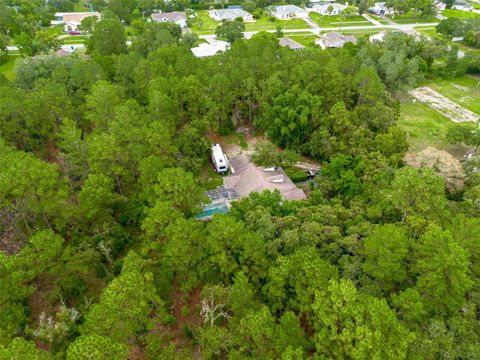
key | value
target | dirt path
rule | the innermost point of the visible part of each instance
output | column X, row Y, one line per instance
column 451, row 110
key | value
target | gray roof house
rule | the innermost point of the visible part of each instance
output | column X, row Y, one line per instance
column 230, row 14
column 285, row 12
column 178, row 17
column 247, row 178
column 292, row 44
column 335, row 40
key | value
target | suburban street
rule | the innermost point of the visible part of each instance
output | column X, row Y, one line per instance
column 314, row 29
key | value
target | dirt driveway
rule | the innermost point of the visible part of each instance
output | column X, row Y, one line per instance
column 451, row 110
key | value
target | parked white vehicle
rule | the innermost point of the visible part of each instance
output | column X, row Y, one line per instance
column 219, row 158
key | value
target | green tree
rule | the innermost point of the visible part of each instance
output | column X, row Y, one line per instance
column 125, row 304
column 96, row 347
column 386, row 253
column 230, row 31
column 97, row 197
column 108, row 38
column 21, row 349
column 351, row 325
column 443, row 275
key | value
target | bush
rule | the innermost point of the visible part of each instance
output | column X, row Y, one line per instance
column 257, row 13
column 297, row 175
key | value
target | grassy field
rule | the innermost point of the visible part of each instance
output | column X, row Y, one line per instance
column 8, row 68
column 264, row 23
column 363, row 32
column 336, row 20
column 305, row 40
column 411, row 18
column 424, row 126
column 459, row 14
column 379, row 19
column 204, row 24
column 464, row 91
column 74, row 39
column 432, row 33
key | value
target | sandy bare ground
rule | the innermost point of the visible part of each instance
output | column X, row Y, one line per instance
column 451, row 110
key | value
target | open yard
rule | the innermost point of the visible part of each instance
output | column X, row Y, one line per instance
column 305, row 40
column 411, row 18
column 432, row 33
column 8, row 68
column 264, row 23
column 465, row 91
column 426, row 127
column 459, row 14
column 203, row 24
column 336, row 20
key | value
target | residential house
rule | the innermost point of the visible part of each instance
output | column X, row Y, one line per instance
column 71, row 21
column 286, row 12
column 178, row 17
column 210, row 49
column 380, row 9
column 380, row 37
column 329, row 9
column 247, row 178
column 230, row 15
column 335, row 40
column 292, row 44
column 439, row 6
column 462, row 5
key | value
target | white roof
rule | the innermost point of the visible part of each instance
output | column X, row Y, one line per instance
column 377, row 37
column 219, row 155
column 170, row 16
column 231, row 13
column 324, row 7
column 288, row 9
column 207, row 50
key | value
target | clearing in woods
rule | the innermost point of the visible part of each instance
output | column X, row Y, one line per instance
column 451, row 110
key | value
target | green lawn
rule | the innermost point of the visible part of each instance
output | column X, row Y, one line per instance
column 411, row 18
column 264, row 23
column 337, row 21
column 305, row 40
column 363, row 32
column 432, row 33
column 8, row 68
column 459, row 14
column 464, row 91
column 74, row 39
column 379, row 19
column 204, row 24
column 56, row 30
column 424, row 126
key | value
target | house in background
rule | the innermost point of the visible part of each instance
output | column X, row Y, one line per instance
column 230, row 15
column 292, row 44
column 210, row 49
column 71, row 21
column 462, row 5
column 178, row 17
column 380, row 9
column 287, row 12
column 323, row 9
column 335, row 40
column 380, row 37
column 439, row 6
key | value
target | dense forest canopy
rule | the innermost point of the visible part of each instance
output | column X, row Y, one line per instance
column 101, row 160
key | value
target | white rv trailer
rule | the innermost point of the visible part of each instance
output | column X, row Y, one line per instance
column 219, row 159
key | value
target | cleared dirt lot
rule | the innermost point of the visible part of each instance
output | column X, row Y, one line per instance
column 451, row 110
